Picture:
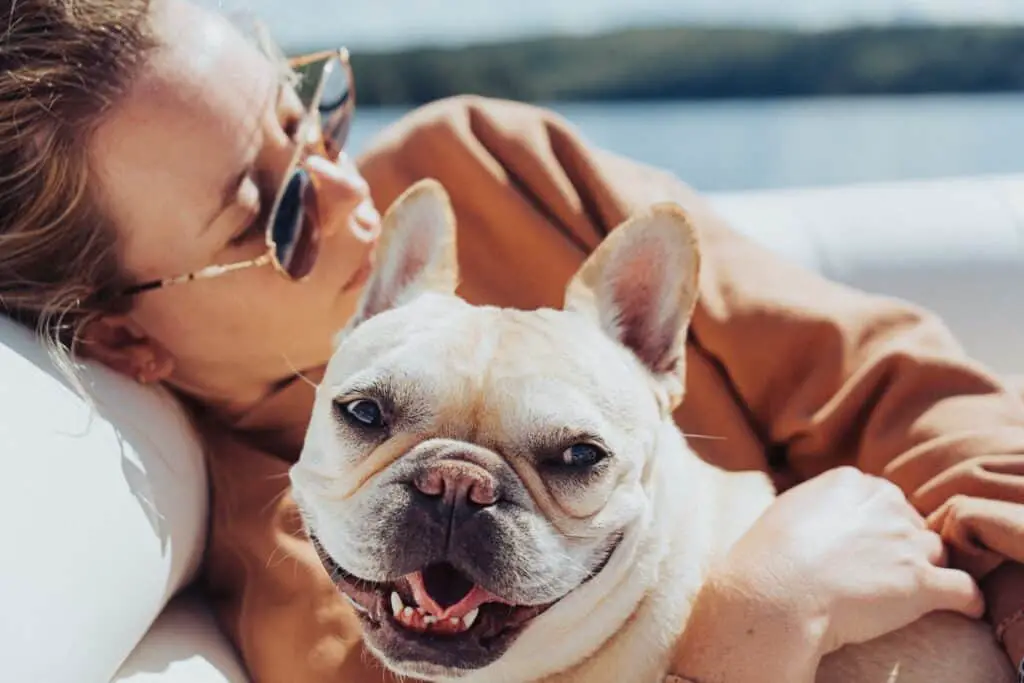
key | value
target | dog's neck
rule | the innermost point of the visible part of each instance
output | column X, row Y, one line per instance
column 599, row 611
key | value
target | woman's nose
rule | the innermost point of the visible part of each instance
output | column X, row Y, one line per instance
column 343, row 199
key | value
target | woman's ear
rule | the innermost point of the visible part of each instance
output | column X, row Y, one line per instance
column 120, row 344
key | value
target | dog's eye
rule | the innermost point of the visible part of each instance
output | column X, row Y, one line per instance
column 362, row 412
column 582, row 455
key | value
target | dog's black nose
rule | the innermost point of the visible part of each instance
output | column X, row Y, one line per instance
column 457, row 483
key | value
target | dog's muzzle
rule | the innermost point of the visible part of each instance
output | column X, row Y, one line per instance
column 457, row 568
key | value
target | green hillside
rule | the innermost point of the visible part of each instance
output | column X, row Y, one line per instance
column 688, row 63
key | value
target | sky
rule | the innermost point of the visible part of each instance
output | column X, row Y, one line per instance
column 395, row 23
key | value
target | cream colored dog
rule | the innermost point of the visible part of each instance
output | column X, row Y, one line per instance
column 504, row 496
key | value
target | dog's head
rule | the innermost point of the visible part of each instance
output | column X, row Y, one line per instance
column 467, row 468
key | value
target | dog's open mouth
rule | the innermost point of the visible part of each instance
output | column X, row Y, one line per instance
column 435, row 603
column 439, row 601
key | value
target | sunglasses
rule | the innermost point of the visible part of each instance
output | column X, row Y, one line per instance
column 327, row 90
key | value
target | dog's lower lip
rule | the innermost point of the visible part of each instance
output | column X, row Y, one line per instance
column 374, row 603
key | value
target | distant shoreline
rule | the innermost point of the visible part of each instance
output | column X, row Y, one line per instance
column 665, row 64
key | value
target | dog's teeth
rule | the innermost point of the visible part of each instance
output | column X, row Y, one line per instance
column 429, row 620
column 396, row 603
column 470, row 618
column 407, row 613
column 455, row 621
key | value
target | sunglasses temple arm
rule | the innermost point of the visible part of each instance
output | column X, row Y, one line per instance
column 204, row 274
column 216, row 271
column 303, row 60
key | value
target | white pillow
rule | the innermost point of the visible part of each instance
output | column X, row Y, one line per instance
column 184, row 646
column 103, row 516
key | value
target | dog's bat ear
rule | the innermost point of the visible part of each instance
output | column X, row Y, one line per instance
column 416, row 253
column 640, row 286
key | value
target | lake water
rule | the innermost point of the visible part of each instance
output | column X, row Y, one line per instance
column 798, row 142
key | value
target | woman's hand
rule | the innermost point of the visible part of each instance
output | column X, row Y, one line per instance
column 847, row 549
column 840, row 559
column 985, row 538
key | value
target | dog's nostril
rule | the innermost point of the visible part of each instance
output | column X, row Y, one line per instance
column 430, row 483
column 483, row 492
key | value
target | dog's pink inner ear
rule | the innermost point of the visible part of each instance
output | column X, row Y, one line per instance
column 647, row 320
column 416, row 254
column 640, row 285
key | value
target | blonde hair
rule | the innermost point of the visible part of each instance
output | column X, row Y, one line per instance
column 63, row 65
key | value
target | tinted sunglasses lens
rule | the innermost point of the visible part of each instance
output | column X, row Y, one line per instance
column 334, row 108
column 335, row 105
column 294, row 236
column 337, row 86
column 309, row 79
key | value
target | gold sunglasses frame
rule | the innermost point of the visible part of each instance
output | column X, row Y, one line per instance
column 309, row 118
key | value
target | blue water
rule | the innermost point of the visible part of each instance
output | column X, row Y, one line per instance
column 804, row 142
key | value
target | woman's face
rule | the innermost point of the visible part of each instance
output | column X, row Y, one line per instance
column 188, row 162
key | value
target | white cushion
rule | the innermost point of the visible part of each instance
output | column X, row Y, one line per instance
column 101, row 524
column 952, row 245
column 184, row 646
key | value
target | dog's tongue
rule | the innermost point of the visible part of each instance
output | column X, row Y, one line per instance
column 469, row 602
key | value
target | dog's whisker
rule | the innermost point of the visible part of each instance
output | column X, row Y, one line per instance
column 530, row 581
column 703, row 436
column 274, row 500
column 279, row 553
column 298, row 373
column 402, row 678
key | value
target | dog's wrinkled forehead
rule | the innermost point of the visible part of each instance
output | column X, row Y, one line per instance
column 614, row 353
column 470, row 369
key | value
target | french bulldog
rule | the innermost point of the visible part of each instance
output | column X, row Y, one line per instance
column 503, row 495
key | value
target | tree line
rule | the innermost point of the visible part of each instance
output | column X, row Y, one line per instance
column 702, row 63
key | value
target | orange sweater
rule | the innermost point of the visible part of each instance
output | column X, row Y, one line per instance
column 797, row 373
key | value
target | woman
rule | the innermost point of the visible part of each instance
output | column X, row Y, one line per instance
column 144, row 142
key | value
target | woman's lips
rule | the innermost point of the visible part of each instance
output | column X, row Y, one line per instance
column 365, row 222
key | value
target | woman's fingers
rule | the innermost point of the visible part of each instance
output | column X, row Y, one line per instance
column 955, row 590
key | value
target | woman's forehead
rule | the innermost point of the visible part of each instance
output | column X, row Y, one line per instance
column 204, row 57
column 192, row 122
